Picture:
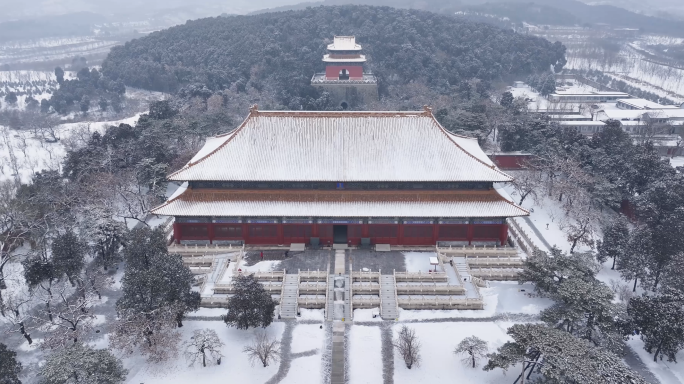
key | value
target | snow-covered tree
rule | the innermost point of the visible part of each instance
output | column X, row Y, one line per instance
column 585, row 309
column 506, row 100
column 472, row 348
column 82, row 364
column 9, row 366
column 661, row 209
column 547, row 272
column 408, row 346
column 559, row 357
column 17, row 306
column 202, row 343
column 527, row 184
column 633, row 265
column 659, row 319
column 157, row 293
column 152, row 333
column 106, row 234
column 251, row 305
column 264, row 349
column 68, row 255
column 72, row 319
column 615, row 240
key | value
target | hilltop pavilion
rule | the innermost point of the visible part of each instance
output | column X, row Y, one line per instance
column 394, row 178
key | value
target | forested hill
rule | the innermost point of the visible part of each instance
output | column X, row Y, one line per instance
column 281, row 51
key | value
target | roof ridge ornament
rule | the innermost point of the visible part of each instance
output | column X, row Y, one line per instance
column 254, row 110
column 428, row 110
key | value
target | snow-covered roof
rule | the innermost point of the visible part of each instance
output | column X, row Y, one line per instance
column 358, row 59
column 344, row 43
column 341, row 147
column 675, row 113
column 334, row 203
column 573, row 92
column 587, row 123
column 619, row 114
column 644, row 104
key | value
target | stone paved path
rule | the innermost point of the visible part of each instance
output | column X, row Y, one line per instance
column 338, row 358
column 388, row 310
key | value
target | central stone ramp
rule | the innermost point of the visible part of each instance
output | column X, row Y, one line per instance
column 337, row 371
column 288, row 309
column 388, row 298
column 339, row 262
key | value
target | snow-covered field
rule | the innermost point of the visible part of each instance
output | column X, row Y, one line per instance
column 365, row 358
column 440, row 364
column 633, row 65
column 234, row 367
column 34, row 154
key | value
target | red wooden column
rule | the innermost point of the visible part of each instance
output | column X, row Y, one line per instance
column 365, row 231
column 281, row 235
column 400, row 234
column 210, row 231
column 504, row 233
column 471, row 229
column 176, row 233
column 435, row 232
column 245, row 233
column 314, row 229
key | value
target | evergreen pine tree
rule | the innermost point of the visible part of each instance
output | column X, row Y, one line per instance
column 9, row 366
column 157, row 293
column 659, row 319
column 547, row 272
column 82, row 364
column 507, row 100
column 559, row 357
column 251, row 305
column 68, row 255
column 615, row 240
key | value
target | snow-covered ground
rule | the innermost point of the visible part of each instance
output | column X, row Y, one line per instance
column 420, row 261
column 666, row 372
column 677, row 161
column 633, row 65
column 235, row 367
column 365, row 357
column 440, row 364
column 34, row 154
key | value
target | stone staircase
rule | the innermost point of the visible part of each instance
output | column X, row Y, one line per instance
column 288, row 306
column 388, row 287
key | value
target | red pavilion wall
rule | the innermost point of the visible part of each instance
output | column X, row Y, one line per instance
column 333, row 71
column 393, row 234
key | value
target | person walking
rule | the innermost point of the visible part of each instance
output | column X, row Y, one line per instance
column 262, row 255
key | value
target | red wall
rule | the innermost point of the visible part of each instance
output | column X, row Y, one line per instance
column 355, row 71
column 510, row 161
column 393, row 234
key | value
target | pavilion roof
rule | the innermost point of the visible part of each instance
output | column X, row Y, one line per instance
column 341, row 147
column 344, row 43
column 340, row 203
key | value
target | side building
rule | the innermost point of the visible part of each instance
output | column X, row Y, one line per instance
column 394, row 178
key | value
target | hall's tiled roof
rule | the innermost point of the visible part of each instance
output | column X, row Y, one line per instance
column 341, row 147
column 336, row 203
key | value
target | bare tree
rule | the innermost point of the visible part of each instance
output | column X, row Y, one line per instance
column 527, row 183
column 581, row 220
column 16, row 307
column 203, row 342
column 152, row 333
column 472, row 348
column 72, row 319
column 264, row 349
column 408, row 346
